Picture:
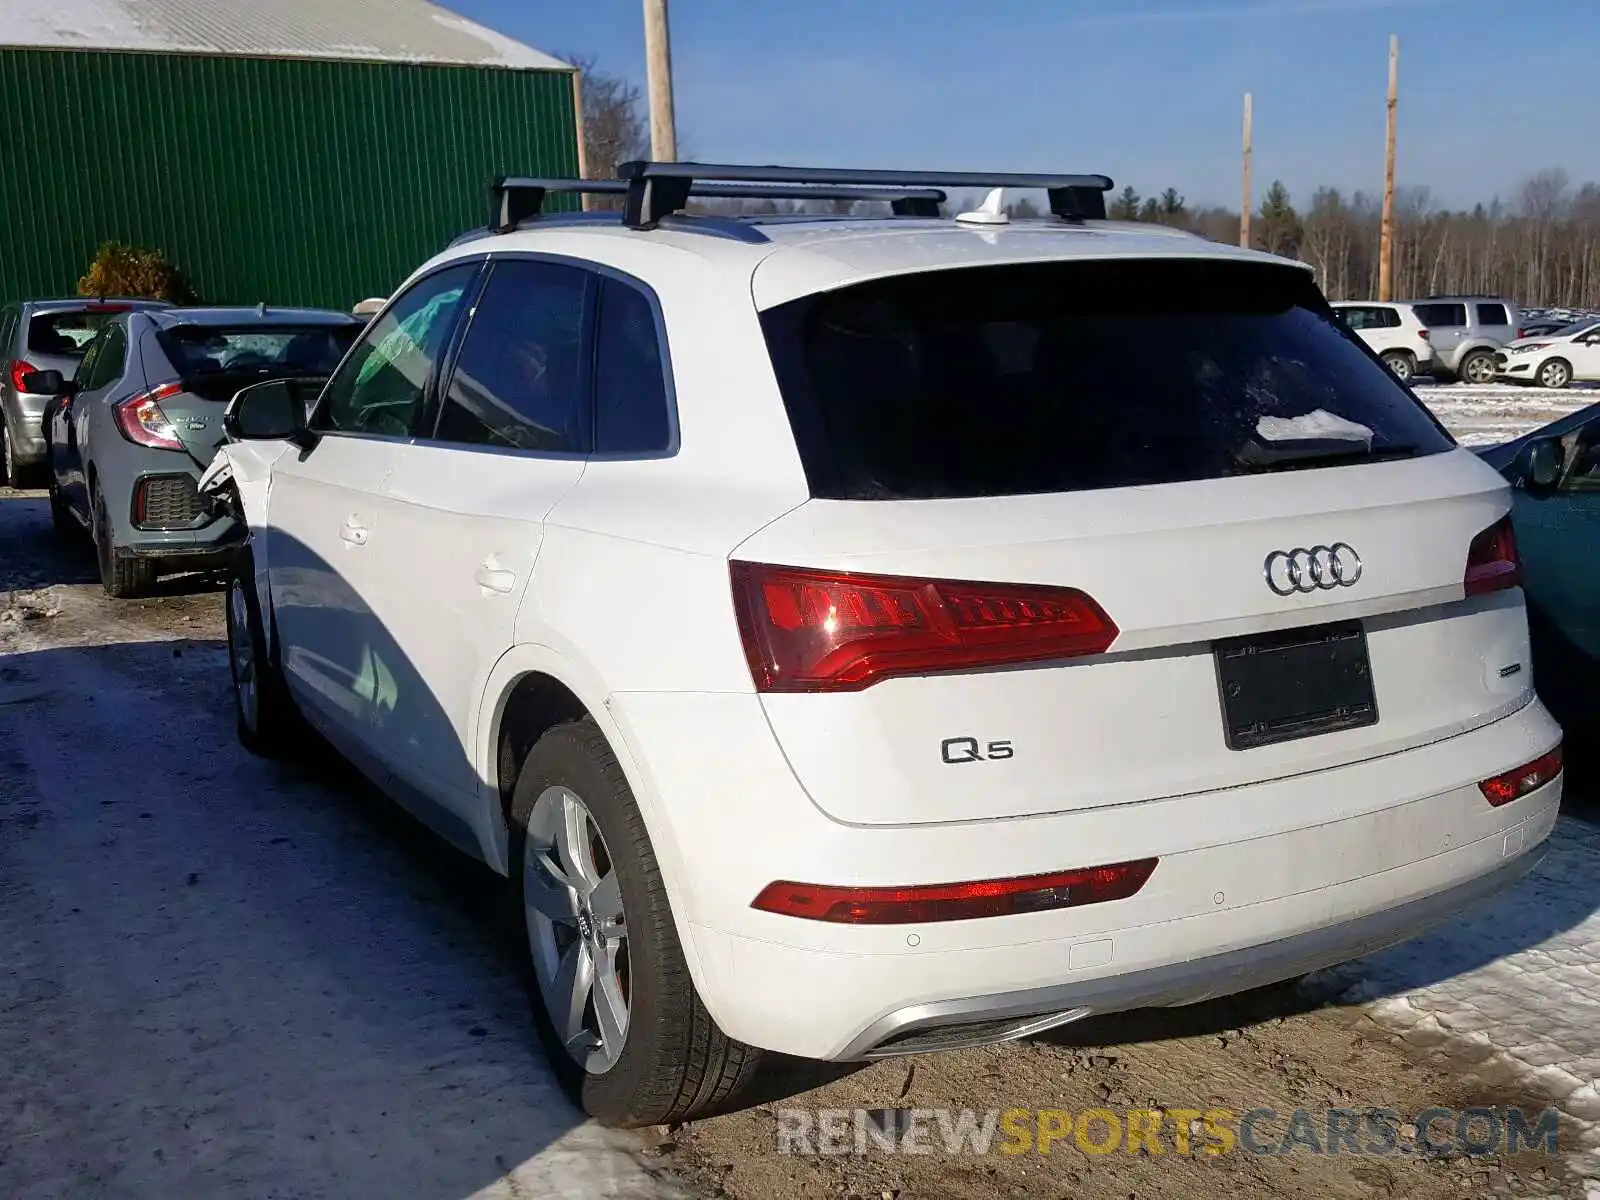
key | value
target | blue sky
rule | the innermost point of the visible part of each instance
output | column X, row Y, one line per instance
column 1148, row 91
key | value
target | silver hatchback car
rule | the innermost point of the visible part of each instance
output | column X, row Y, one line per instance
column 42, row 335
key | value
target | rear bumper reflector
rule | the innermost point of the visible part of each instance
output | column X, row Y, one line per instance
column 955, row 901
column 1514, row 785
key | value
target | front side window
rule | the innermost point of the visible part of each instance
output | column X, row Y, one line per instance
column 519, row 381
column 1356, row 318
column 381, row 386
column 1059, row 377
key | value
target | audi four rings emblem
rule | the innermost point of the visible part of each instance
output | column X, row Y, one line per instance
column 1321, row 568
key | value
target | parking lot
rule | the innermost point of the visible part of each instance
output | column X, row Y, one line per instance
column 226, row 975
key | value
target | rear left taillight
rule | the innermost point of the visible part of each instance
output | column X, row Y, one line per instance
column 1492, row 560
column 827, row 631
column 921, row 903
column 1423, row 334
column 18, row 369
column 140, row 419
column 1514, row 785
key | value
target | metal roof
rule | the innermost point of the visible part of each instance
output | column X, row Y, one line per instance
column 377, row 30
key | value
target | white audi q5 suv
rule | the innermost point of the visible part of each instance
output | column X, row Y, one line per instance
column 860, row 636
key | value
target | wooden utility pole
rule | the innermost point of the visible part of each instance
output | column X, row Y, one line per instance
column 658, row 69
column 1249, row 200
column 1386, row 230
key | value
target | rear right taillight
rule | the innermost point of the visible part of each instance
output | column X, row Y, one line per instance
column 1492, row 560
column 829, row 631
column 140, row 419
column 18, row 369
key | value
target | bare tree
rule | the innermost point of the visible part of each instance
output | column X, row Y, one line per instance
column 615, row 127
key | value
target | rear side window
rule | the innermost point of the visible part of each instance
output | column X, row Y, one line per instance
column 67, row 334
column 519, row 380
column 630, row 380
column 109, row 360
column 1071, row 376
column 1441, row 316
column 1493, row 314
column 1387, row 318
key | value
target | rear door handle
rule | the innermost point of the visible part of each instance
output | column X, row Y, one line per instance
column 352, row 532
column 495, row 578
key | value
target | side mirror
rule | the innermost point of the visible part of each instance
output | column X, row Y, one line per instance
column 273, row 410
column 1537, row 467
column 46, row 383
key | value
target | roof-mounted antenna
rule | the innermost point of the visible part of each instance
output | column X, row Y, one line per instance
column 991, row 212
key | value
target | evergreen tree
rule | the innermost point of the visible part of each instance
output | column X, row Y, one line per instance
column 1281, row 229
column 1126, row 206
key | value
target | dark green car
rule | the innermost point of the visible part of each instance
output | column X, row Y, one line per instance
column 1556, row 473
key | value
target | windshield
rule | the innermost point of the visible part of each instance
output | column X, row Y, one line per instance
column 1070, row 376
column 198, row 350
column 67, row 334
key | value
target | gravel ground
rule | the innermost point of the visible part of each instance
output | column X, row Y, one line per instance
column 226, row 977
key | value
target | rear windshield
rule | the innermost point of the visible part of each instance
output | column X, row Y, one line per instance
column 1071, row 376
column 67, row 334
column 199, row 350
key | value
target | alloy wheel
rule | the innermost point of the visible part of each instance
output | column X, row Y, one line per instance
column 242, row 655
column 1554, row 375
column 8, row 464
column 1480, row 369
column 577, row 929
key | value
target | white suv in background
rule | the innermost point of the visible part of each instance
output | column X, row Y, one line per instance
column 862, row 636
column 1395, row 334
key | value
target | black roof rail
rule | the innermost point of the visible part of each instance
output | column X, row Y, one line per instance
column 656, row 189
column 514, row 199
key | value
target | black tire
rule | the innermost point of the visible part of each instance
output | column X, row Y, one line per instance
column 1402, row 364
column 1477, row 363
column 1555, row 373
column 121, row 574
column 675, row 1063
column 270, row 726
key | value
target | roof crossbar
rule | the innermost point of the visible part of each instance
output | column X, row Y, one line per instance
column 656, row 189
column 513, row 200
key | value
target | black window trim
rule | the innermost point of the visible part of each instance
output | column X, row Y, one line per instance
column 473, row 286
column 589, row 353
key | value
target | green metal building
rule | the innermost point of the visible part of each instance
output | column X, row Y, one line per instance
column 288, row 151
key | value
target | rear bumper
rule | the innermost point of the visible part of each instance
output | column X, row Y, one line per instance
column 946, row 1024
column 1254, row 883
column 27, row 437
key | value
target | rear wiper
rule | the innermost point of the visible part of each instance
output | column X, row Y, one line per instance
column 1259, row 455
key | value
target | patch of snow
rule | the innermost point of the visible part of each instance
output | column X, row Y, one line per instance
column 502, row 50
column 1516, row 983
column 1484, row 414
column 382, row 30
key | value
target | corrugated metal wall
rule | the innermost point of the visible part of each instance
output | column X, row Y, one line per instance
column 285, row 180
